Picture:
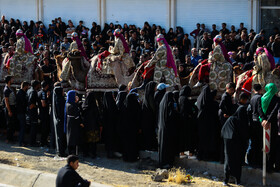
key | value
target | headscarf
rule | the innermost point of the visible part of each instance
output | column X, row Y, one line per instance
column 170, row 59
column 118, row 34
column 204, row 98
column 57, row 101
column 27, row 43
column 185, row 91
column 184, row 102
column 131, row 102
column 269, row 56
column 271, row 90
column 218, row 40
column 120, row 99
column 89, row 101
column 149, row 99
column 71, row 97
column 165, row 108
column 236, row 125
column 176, row 94
column 109, row 102
column 75, row 37
column 90, row 111
column 133, row 90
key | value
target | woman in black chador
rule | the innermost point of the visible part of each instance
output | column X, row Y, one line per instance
column 208, row 125
column 130, row 127
column 110, row 117
column 188, row 125
column 149, row 117
column 91, row 122
column 168, row 131
column 120, row 105
column 235, row 135
column 73, row 122
column 58, row 105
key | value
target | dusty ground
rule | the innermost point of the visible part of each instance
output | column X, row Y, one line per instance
column 102, row 170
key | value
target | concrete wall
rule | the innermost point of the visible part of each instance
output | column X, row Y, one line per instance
column 137, row 12
column 185, row 13
column 76, row 10
column 211, row 12
column 19, row 9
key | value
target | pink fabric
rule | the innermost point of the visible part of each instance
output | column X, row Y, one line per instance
column 269, row 56
column 27, row 46
column 81, row 47
column 170, row 60
column 224, row 50
column 125, row 45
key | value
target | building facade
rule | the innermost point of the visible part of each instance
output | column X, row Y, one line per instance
column 255, row 14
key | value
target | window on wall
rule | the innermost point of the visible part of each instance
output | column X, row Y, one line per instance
column 270, row 3
column 270, row 15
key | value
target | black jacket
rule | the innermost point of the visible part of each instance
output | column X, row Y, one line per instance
column 21, row 100
column 256, row 106
column 68, row 177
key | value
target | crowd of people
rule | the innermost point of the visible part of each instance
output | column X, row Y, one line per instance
column 165, row 121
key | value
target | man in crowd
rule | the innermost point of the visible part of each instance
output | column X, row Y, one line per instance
column 33, row 100
column 205, row 46
column 226, row 105
column 65, row 44
column 195, row 33
column 224, row 28
column 44, row 116
column 10, row 108
column 67, row 176
column 21, row 104
column 255, row 152
column 195, row 58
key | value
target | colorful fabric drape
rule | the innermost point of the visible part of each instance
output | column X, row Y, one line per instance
column 247, row 86
column 81, row 47
column 170, row 60
column 101, row 56
column 125, row 45
column 27, row 43
column 269, row 56
column 224, row 50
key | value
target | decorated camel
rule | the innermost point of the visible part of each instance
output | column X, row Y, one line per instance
column 21, row 63
column 104, row 71
column 263, row 72
column 216, row 70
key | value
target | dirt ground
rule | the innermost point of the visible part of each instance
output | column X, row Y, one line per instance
column 101, row 170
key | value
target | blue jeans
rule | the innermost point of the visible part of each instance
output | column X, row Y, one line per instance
column 277, row 60
column 22, row 122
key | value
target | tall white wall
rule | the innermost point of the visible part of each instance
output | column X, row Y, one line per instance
column 76, row 10
column 190, row 12
column 19, row 9
column 137, row 12
column 187, row 12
